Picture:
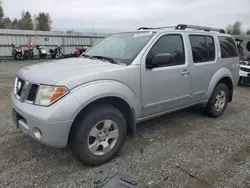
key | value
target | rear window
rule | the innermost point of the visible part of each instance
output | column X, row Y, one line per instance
column 228, row 47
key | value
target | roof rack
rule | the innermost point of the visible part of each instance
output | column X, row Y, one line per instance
column 184, row 26
column 148, row 28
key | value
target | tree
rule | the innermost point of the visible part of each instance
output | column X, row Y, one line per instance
column 43, row 22
column 248, row 32
column 8, row 23
column 2, row 25
column 25, row 23
column 15, row 24
column 235, row 28
column 229, row 29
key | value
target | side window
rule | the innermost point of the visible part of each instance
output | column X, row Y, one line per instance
column 199, row 48
column 228, row 47
column 172, row 44
column 203, row 48
column 211, row 48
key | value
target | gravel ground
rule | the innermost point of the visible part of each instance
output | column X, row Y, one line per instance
column 215, row 152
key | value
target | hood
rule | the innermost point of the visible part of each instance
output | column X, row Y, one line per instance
column 55, row 71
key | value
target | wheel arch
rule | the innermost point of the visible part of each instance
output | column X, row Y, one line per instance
column 228, row 82
column 117, row 102
column 223, row 75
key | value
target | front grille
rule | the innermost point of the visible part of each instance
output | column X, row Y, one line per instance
column 25, row 91
column 32, row 93
column 244, row 69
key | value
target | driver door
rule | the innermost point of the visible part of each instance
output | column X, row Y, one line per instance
column 167, row 86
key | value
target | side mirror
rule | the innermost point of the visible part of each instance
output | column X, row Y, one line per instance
column 248, row 46
column 159, row 60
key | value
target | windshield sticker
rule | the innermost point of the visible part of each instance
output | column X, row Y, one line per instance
column 143, row 34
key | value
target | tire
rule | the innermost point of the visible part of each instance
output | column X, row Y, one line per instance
column 32, row 55
column 18, row 56
column 57, row 56
column 80, row 140
column 214, row 107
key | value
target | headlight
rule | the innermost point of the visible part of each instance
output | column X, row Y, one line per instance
column 47, row 95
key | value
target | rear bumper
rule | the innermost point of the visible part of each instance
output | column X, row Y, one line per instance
column 54, row 122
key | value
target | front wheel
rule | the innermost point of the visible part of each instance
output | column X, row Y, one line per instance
column 18, row 56
column 99, row 135
column 14, row 56
column 218, row 101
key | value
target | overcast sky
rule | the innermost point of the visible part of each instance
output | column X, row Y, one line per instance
column 129, row 14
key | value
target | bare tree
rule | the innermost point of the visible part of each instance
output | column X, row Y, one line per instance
column 15, row 23
column 248, row 32
column 235, row 28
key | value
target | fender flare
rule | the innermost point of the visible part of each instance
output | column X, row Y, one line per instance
column 220, row 74
column 92, row 91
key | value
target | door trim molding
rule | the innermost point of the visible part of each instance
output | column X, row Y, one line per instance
column 162, row 103
column 169, row 111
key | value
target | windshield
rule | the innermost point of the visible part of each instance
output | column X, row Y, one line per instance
column 122, row 47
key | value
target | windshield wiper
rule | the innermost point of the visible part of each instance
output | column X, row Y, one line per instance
column 87, row 56
column 105, row 58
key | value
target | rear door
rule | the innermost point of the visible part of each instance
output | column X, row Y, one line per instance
column 204, row 58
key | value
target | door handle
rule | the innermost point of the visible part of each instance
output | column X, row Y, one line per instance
column 185, row 72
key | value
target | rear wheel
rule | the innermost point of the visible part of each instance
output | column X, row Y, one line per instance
column 218, row 101
column 99, row 135
column 31, row 55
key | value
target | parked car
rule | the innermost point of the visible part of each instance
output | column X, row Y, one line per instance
column 245, row 67
column 91, row 103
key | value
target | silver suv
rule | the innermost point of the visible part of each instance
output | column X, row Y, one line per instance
column 92, row 102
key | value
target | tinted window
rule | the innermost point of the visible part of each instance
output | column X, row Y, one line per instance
column 228, row 47
column 203, row 48
column 199, row 48
column 211, row 48
column 171, row 44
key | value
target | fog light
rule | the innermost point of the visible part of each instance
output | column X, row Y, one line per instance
column 37, row 133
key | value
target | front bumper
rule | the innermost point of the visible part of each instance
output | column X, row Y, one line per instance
column 54, row 122
column 243, row 74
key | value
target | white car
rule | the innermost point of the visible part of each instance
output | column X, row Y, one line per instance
column 244, row 72
column 245, row 66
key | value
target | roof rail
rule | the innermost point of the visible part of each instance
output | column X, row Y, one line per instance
column 146, row 28
column 184, row 26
